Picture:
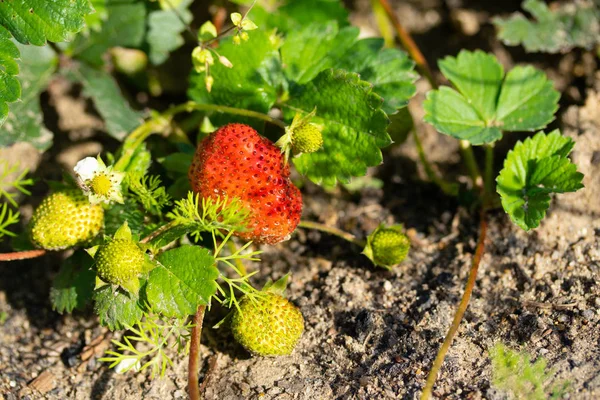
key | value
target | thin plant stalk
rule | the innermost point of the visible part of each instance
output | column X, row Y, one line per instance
column 447, row 187
column 460, row 311
column 194, row 362
column 333, row 231
column 469, row 159
column 409, row 44
column 489, row 172
column 22, row 255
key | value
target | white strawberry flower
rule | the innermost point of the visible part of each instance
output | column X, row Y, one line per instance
column 99, row 182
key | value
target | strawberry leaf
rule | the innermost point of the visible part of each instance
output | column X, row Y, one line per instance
column 184, row 279
column 354, row 126
column 319, row 46
column 24, row 122
column 10, row 89
column 552, row 31
column 316, row 47
column 116, row 308
column 102, row 88
column 486, row 101
column 164, row 31
column 73, row 286
column 254, row 80
column 293, row 15
column 532, row 171
column 36, row 21
column 125, row 26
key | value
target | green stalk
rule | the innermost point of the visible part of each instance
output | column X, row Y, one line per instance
column 447, row 187
column 489, row 173
column 333, row 231
column 471, row 163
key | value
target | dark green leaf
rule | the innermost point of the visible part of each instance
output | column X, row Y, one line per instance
column 292, row 15
column 487, row 102
column 73, row 286
column 354, row 126
column 10, row 89
column 125, row 27
column 101, row 87
column 253, row 82
column 553, row 31
column 532, row 171
column 35, row 21
column 116, row 308
column 165, row 29
column 185, row 279
column 25, row 119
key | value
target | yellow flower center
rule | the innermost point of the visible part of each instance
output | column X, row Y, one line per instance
column 101, row 185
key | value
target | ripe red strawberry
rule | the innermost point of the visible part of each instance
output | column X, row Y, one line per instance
column 235, row 161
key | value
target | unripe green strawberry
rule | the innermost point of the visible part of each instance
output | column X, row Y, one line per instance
column 307, row 138
column 65, row 219
column 119, row 262
column 268, row 325
column 387, row 246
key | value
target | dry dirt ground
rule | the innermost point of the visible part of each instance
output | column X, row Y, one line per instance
column 370, row 333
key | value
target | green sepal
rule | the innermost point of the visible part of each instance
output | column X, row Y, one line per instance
column 277, row 287
column 369, row 252
column 132, row 286
column 123, row 232
column 92, row 251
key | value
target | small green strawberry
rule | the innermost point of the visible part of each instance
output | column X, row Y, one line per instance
column 307, row 138
column 121, row 261
column 302, row 136
column 387, row 246
column 267, row 325
column 65, row 219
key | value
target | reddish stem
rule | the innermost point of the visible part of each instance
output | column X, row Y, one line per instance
column 194, row 363
column 460, row 312
column 22, row 255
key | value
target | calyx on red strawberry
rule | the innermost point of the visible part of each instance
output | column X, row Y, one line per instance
column 235, row 161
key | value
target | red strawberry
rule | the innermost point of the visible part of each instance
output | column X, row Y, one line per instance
column 235, row 161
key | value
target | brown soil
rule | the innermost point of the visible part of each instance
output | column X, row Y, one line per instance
column 370, row 333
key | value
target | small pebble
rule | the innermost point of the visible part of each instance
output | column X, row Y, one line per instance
column 387, row 286
column 12, row 384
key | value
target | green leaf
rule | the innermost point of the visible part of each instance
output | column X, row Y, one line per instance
column 390, row 71
column 487, row 102
column 25, row 119
column 316, row 47
column 354, row 126
column 184, row 279
column 125, row 26
column 293, row 15
column 35, row 21
column 10, row 89
column 164, row 31
column 532, row 171
column 254, row 80
column 116, row 308
column 320, row 46
column 73, row 286
column 552, row 31
column 101, row 87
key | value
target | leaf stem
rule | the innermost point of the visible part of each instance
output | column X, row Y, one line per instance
column 333, row 231
column 194, row 362
column 447, row 187
column 22, row 255
column 409, row 44
column 469, row 158
column 488, row 180
column 460, row 311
